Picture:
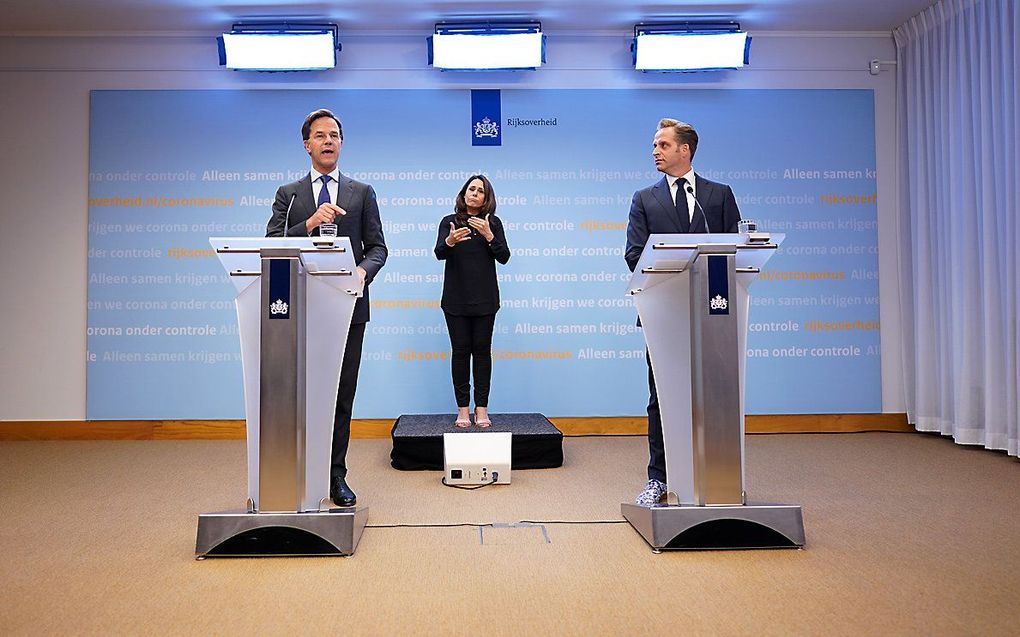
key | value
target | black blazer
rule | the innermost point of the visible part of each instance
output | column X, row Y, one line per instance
column 469, row 280
column 652, row 211
column 361, row 225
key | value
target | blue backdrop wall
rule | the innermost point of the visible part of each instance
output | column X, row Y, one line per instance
column 168, row 169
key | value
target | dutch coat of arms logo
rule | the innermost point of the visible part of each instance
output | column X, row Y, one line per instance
column 718, row 303
column 486, row 128
column 278, row 307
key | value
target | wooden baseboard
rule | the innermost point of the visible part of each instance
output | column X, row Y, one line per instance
column 826, row 423
column 772, row 424
column 380, row 428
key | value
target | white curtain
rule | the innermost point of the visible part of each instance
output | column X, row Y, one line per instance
column 959, row 181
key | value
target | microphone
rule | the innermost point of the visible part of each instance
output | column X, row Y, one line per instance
column 697, row 204
column 286, row 218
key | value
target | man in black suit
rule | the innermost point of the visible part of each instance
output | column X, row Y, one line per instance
column 327, row 196
column 681, row 202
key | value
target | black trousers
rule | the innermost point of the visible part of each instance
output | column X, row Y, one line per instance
column 345, row 400
column 656, row 448
column 471, row 338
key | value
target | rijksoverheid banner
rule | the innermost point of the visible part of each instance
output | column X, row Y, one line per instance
column 168, row 169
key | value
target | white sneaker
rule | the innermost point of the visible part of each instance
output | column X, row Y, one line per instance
column 653, row 494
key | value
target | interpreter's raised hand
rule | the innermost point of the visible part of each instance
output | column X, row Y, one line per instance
column 457, row 235
column 482, row 226
column 326, row 213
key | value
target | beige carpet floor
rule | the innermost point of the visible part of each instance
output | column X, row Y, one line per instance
column 906, row 534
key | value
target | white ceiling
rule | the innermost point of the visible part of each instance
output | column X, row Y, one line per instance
column 125, row 16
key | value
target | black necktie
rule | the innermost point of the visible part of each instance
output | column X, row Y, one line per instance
column 324, row 191
column 681, row 203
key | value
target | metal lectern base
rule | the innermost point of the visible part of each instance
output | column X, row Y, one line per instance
column 238, row 534
column 746, row 526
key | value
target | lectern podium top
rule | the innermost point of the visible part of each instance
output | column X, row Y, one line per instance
column 241, row 258
column 666, row 254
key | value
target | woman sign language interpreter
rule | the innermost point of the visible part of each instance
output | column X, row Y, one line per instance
column 471, row 241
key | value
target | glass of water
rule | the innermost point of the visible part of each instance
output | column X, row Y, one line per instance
column 327, row 230
column 745, row 226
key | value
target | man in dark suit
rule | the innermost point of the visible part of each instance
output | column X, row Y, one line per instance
column 681, row 202
column 327, row 196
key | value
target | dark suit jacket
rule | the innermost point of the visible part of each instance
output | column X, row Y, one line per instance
column 361, row 224
column 652, row 211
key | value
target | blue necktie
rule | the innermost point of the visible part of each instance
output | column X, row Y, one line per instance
column 324, row 191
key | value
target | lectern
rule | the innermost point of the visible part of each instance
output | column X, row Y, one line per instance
column 691, row 292
column 295, row 300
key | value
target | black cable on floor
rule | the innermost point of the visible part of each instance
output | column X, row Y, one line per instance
column 573, row 522
column 427, row 526
column 487, row 524
column 495, row 476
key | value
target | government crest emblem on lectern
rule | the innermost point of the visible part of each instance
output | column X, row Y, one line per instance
column 718, row 303
column 486, row 128
column 278, row 307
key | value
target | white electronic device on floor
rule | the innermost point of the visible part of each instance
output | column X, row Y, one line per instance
column 477, row 458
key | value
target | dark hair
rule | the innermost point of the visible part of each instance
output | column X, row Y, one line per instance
column 306, row 127
column 488, row 208
column 685, row 133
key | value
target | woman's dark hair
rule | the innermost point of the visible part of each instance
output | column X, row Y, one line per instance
column 488, row 208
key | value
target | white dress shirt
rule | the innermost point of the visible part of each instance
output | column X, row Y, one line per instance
column 334, row 184
column 673, row 181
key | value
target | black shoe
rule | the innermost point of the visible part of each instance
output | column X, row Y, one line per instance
column 340, row 493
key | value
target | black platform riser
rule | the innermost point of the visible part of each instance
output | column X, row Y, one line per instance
column 418, row 440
